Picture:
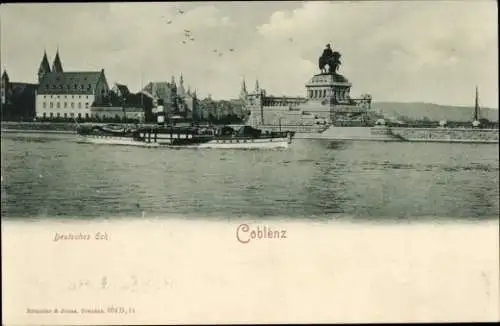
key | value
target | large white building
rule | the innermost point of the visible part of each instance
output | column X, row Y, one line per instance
column 68, row 94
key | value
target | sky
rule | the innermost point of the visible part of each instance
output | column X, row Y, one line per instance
column 408, row 51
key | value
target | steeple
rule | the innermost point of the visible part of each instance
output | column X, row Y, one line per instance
column 172, row 81
column 44, row 67
column 57, row 65
column 243, row 91
column 5, row 76
column 257, row 88
column 180, row 90
column 476, row 106
column 189, row 90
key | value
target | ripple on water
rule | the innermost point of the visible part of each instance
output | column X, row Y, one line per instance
column 51, row 177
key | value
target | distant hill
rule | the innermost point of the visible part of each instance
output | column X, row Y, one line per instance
column 434, row 112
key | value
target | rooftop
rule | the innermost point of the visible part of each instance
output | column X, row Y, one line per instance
column 75, row 82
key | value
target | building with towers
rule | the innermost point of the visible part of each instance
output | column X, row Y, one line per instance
column 68, row 94
column 17, row 100
column 175, row 99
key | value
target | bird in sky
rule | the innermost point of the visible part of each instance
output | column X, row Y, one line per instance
column 183, row 42
column 192, row 38
column 232, row 50
column 187, row 31
column 169, row 22
column 180, row 11
column 215, row 50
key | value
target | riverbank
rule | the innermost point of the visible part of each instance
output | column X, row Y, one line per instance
column 46, row 127
column 448, row 135
column 49, row 127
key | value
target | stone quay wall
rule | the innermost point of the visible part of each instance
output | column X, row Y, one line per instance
column 448, row 134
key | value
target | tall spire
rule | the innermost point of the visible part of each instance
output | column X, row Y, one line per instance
column 5, row 76
column 44, row 66
column 257, row 88
column 243, row 91
column 476, row 106
column 57, row 65
column 172, row 81
column 243, row 86
column 180, row 90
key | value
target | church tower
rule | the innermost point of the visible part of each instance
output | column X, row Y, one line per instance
column 243, row 91
column 257, row 88
column 44, row 67
column 4, row 85
column 180, row 90
column 57, row 65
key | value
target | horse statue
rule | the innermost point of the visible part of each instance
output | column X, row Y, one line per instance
column 333, row 62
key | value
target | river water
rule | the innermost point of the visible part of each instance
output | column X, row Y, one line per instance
column 52, row 176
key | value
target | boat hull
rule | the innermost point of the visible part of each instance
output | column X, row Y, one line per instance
column 112, row 140
column 264, row 143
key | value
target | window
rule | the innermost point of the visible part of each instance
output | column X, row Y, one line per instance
column 51, row 105
column 44, row 115
column 58, row 105
column 72, row 96
column 86, row 115
column 72, row 105
column 65, row 115
column 79, row 96
column 72, row 114
column 79, row 115
column 76, row 86
column 79, row 105
column 58, row 114
column 51, row 114
column 87, row 104
column 44, row 105
column 65, row 105
column 45, row 96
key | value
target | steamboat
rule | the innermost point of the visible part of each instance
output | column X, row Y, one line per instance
column 218, row 137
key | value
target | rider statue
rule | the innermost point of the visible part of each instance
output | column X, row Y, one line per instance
column 330, row 58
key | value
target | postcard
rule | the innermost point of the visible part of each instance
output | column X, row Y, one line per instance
column 249, row 162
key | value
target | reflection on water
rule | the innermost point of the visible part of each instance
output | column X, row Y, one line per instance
column 52, row 176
